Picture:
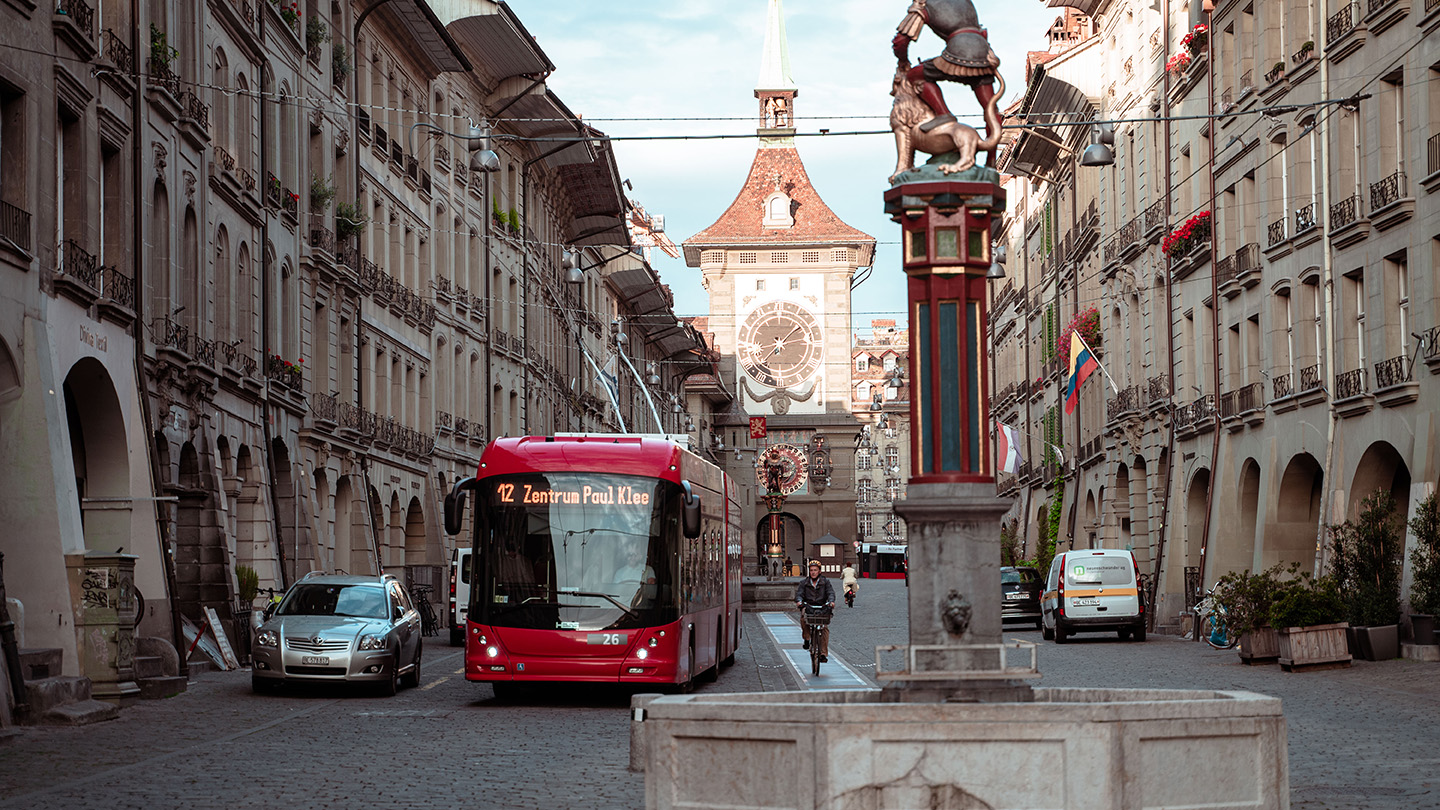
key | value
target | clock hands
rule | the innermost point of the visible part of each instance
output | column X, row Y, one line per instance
column 780, row 343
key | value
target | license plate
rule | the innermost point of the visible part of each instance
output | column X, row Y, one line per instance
column 322, row 660
column 1084, row 602
column 606, row 638
column 1014, row 596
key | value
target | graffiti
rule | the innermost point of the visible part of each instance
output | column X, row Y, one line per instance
column 95, row 588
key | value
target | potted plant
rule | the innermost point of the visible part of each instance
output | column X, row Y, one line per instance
column 1183, row 239
column 1087, row 323
column 1425, row 570
column 316, row 32
column 349, row 221
column 1365, row 561
column 340, row 61
column 1308, row 617
column 1196, row 40
column 1179, row 62
column 322, row 191
column 1247, row 600
column 161, row 54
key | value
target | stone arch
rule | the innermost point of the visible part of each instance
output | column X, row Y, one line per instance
column 1140, row 512
column 158, row 276
column 288, row 540
column 366, row 540
column 1381, row 467
column 227, row 459
column 324, row 560
column 251, row 526
column 415, row 540
column 191, row 277
column 1123, row 523
column 394, row 547
column 100, row 456
column 792, row 535
column 1236, row 552
column 1291, row 539
column 10, row 380
column 189, row 466
column 1196, row 496
column 1091, row 520
column 224, row 287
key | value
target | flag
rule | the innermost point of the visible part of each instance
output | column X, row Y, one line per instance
column 757, row 427
column 1007, row 456
column 1082, row 365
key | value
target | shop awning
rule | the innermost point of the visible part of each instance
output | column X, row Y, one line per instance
column 1058, row 108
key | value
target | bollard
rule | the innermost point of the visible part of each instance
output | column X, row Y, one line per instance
column 638, row 748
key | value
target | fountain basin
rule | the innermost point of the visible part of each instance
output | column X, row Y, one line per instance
column 1067, row 748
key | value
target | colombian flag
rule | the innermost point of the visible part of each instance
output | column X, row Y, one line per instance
column 1082, row 365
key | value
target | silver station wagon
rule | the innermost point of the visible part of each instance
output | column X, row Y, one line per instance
column 340, row 629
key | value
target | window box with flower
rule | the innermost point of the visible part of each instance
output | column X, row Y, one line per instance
column 1196, row 40
column 283, row 371
column 1194, row 232
column 1087, row 324
column 1179, row 62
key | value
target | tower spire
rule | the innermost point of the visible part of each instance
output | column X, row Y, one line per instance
column 775, row 89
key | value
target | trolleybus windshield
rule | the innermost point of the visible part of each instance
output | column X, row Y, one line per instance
column 576, row 551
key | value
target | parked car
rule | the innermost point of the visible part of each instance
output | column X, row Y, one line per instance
column 339, row 629
column 1093, row 590
column 1020, row 588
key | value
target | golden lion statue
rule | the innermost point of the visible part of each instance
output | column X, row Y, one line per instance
column 909, row 112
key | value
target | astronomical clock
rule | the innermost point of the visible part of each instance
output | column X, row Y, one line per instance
column 780, row 347
column 791, row 460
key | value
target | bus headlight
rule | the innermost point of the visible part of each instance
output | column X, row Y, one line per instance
column 653, row 642
column 642, row 653
column 492, row 651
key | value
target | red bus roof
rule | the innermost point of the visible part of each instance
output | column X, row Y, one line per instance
column 623, row 455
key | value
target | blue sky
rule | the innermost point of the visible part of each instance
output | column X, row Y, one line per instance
column 700, row 58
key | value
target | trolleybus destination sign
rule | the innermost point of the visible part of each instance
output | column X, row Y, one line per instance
column 542, row 493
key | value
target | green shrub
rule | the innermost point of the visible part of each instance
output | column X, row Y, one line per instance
column 1248, row 598
column 349, row 220
column 1425, row 583
column 1365, row 561
column 248, row 582
column 1009, row 544
column 1307, row 602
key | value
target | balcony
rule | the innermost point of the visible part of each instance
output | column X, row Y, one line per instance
column 162, row 77
column 1130, row 239
column 119, row 54
column 1381, row 14
column 442, row 158
column 1158, row 388
column 1390, row 201
column 1092, row 449
column 284, row 373
column 1275, row 74
column 14, row 228
column 1395, row 381
column 325, row 408
column 1343, row 32
column 77, row 274
column 1127, row 401
column 1197, row 417
column 1281, row 386
column 1304, row 219
column 1225, row 271
column 1276, row 232
column 1346, row 225
column 1155, row 221
column 117, row 296
column 195, row 116
column 321, row 237
column 1430, row 339
column 74, row 21
column 1351, row 384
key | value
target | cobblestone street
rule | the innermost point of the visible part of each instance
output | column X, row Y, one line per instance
column 1359, row 738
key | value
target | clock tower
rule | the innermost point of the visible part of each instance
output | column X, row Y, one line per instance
column 777, row 265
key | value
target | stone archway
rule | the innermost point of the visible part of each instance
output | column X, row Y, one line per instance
column 393, row 554
column 1091, row 517
column 1195, row 498
column 415, row 534
column 285, row 504
column 1122, row 506
column 100, row 456
column 1291, row 538
column 1233, row 548
column 1381, row 467
column 345, row 530
column 791, row 535
column 1140, row 540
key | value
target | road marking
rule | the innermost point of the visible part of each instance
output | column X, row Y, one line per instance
column 427, row 687
column 785, row 630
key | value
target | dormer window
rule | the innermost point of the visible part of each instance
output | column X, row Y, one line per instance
column 777, row 211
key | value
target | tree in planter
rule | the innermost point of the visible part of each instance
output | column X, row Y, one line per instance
column 1248, row 598
column 1009, row 545
column 1307, row 602
column 1365, row 562
column 349, row 221
column 322, row 191
column 1425, row 559
column 248, row 584
column 340, row 61
column 160, row 51
column 316, row 32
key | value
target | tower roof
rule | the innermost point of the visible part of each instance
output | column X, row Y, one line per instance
column 775, row 61
column 743, row 222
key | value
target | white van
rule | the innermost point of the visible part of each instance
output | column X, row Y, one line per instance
column 459, row 605
column 1093, row 590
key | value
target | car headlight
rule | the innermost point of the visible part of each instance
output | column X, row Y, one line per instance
column 267, row 638
column 372, row 642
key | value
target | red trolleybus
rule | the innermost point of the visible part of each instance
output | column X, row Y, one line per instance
column 602, row 559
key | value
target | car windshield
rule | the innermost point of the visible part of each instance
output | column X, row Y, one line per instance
column 317, row 599
column 577, row 551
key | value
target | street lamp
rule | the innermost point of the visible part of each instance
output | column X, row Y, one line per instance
column 1099, row 152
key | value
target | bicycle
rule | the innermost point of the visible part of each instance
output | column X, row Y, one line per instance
column 429, row 623
column 850, row 596
column 817, row 618
column 1212, row 621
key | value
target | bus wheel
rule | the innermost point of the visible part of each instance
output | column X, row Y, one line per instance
column 712, row 674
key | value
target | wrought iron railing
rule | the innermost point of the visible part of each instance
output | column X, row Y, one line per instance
column 283, row 373
column 1431, row 336
column 1247, row 259
column 1124, row 402
column 1155, row 216
column 290, row 202
column 1387, row 191
column 1281, row 386
column 322, row 238
column 1304, row 218
column 119, row 54
column 80, row 13
column 1112, row 250
column 224, row 158
column 1277, row 232
column 1376, row 5
column 170, row 333
column 1344, row 212
column 1304, row 54
column 1229, row 404
column 1431, row 5
column 79, row 264
column 442, row 158
column 15, row 225
column 1246, row 82
column 1274, row 74
column 194, row 109
column 1342, row 22
column 1250, row 397
column 118, row 287
column 1395, row 371
column 1130, row 233
column 1225, row 270
column 1311, row 377
column 272, row 191
column 1351, row 384
column 1432, row 149
column 202, row 350
column 324, row 407
column 1158, row 387
column 162, row 76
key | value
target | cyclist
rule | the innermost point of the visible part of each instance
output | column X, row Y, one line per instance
column 815, row 590
column 850, row 584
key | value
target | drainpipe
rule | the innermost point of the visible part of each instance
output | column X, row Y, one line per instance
column 1170, row 337
column 1214, row 329
column 1328, row 495
column 157, row 477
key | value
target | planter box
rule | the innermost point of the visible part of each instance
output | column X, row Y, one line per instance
column 1380, row 643
column 1422, row 628
column 1321, row 646
column 1261, row 646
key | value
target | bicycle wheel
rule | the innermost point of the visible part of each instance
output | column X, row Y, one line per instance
column 814, row 652
column 1216, row 634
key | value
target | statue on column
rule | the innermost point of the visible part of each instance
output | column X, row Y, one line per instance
column 920, row 118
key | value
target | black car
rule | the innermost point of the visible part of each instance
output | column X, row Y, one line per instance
column 1020, row 594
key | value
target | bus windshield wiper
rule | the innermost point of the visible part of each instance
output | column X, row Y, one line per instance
column 607, row 597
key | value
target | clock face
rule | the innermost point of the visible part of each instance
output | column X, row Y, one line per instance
column 780, row 344
column 790, row 459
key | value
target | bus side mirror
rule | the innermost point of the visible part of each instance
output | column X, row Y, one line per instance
column 455, row 505
column 690, row 507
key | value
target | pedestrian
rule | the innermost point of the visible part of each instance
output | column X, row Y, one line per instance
column 788, row 566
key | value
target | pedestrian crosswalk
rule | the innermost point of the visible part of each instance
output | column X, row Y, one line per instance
column 784, row 629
